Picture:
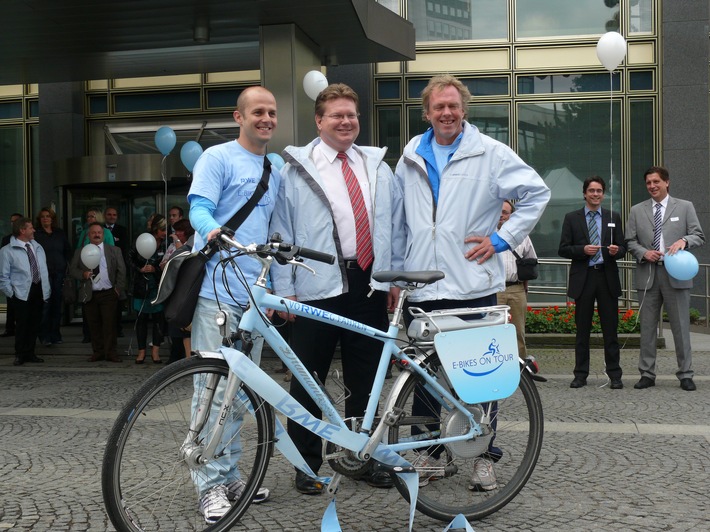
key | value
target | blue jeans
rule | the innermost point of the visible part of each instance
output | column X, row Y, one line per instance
column 206, row 337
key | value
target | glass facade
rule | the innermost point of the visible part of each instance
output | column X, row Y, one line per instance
column 538, row 87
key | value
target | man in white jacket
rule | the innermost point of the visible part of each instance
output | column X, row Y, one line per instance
column 337, row 197
column 453, row 181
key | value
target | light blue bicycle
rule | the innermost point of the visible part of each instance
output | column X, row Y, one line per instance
column 469, row 400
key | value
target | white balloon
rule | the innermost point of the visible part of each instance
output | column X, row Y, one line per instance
column 91, row 256
column 313, row 83
column 611, row 49
column 146, row 245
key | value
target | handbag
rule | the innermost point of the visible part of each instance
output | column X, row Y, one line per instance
column 182, row 275
column 68, row 290
column 527, row 268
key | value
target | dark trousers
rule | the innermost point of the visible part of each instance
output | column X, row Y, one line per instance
column 315, row 343
column 596, row 289
column 52, row 312
column 142, row 328
column 101, row 315
column 423, row 403
column 28, row 315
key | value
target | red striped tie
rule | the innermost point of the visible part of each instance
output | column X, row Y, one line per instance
column 362, row 223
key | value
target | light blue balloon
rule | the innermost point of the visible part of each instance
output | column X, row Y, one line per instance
column 189, row 153
column 276, row 160
column 165, row 140
column 681, row 265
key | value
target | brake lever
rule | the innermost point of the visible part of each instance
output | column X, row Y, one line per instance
column 295, row 262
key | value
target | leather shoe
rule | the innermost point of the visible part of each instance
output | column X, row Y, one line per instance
column 377, row 478
column 18, row 361
column 115, row 359
column 95, row 358
column 687, row 384
column 308, row 485
column 578, row 383
column 34, row 358
column 644, row 382
column 616, row 384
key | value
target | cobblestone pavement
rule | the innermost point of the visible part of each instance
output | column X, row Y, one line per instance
column 611, row 459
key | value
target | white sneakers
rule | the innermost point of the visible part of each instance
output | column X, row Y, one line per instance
column 216, row 501
column 214, row 504
column 484, row 477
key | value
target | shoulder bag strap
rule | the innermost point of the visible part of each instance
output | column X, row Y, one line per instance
column 242, row 214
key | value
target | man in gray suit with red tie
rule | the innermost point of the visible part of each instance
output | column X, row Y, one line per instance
column 593, row 238
column 658, row 227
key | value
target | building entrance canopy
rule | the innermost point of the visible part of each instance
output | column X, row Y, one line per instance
column 73, row 40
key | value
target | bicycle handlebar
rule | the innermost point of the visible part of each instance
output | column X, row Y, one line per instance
column 282, row 252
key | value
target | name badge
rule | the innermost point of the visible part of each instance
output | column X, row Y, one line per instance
column 675, row 219
column 611, row 224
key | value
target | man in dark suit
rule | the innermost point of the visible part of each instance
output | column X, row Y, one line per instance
column 658, row 227
column 593, row 238
column 122, row 241
column 100, row 290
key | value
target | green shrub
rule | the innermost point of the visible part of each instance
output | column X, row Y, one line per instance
column 561, row 320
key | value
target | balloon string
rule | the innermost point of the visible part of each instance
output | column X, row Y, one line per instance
column 163, row 172
column 611, row 152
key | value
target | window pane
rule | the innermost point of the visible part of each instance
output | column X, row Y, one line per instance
column 389, row 133
column 222, row 98
column 415, row 123
column 12, row 184
column 641, row 16
column 126, row 103
column 567, row 83
column 493, row 120
column 642, row 143
column 388, row 89
column 641, row 81
column 557, row 18
column 450, row 20
column 486, row 86
column 11, row 110
column 98, row 104
column 566, row 142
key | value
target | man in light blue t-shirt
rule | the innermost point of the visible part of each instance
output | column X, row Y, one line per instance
column 224, row 178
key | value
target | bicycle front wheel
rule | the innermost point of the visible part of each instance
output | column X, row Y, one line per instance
column 151, row 465
column 510, row 445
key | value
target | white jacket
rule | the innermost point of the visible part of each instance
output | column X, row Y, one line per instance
column 303, row 216
column 480, row 175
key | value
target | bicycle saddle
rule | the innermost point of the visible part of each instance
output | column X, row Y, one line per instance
column 422, row 277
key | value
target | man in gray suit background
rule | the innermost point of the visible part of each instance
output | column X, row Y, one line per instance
column 101, row 290
column 657, row 227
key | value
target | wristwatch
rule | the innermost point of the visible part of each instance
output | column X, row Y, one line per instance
column 686, row 242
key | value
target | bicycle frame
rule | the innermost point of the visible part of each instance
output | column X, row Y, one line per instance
column 361, row 442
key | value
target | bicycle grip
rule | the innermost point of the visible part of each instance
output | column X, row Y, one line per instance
column 316, row 255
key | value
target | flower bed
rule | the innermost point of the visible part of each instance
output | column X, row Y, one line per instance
column 560, row 320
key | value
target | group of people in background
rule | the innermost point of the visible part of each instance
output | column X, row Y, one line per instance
column 37, row 259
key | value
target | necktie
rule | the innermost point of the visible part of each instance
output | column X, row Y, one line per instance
column 657, row 223
column 363, row 239
column 593, row 233
column 34, row 269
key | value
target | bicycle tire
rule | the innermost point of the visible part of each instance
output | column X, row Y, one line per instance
column 519, row 433
column 146, row 481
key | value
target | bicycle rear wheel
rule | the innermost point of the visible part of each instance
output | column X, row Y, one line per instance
column 149, row 466
column 516, row 429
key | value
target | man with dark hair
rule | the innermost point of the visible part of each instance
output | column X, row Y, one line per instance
column 660, row 226
column 327, row 202
column 593, row 238
column 10, row 316
column 24, row 279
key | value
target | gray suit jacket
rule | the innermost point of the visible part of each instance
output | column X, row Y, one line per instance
column 116, row 273
column 679, row 221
